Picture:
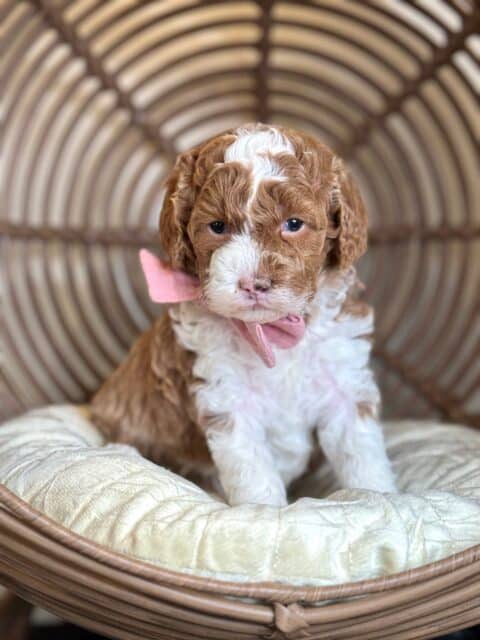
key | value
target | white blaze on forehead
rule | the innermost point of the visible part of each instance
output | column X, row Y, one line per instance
column 251, row 145
column 253, row 149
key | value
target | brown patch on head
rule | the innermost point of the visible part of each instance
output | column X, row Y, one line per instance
column 182, row 188
column 291, row 260
column 223, row 197
column 337, row 195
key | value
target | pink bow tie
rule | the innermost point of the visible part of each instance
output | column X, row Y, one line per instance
column 167, row 285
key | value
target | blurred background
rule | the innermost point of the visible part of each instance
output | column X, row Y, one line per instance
column 98, row 98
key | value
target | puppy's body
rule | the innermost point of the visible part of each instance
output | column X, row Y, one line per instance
column 192, row 378
column 193, row 390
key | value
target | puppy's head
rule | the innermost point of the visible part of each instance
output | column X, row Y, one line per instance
column 258, row 214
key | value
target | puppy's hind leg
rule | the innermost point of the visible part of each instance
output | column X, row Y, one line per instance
column 245, row 462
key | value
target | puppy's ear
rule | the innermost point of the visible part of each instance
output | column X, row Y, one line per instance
column 177, row 207
column 347, row 220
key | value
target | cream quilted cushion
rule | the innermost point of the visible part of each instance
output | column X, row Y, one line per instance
column 55, row 459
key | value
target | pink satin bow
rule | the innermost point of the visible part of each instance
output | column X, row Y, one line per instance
column 167, row 285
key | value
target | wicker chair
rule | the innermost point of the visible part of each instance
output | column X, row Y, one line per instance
column 99, row 97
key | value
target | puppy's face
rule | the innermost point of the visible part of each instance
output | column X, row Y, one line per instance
column 258, row 214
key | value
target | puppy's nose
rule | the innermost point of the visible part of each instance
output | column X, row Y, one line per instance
column 255, row 284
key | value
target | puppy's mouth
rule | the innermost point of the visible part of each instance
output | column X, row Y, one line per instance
column 250, row 309
column 257, row 314
column 256, row 311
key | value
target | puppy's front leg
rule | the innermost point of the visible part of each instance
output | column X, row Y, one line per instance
column 245, row 463
column 352, row 440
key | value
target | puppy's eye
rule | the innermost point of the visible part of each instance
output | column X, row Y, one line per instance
column 293, row 225
column 217, row 226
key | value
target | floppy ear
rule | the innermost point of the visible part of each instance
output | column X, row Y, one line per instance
column 182, row 188
column 347, row 220
column 177, row 207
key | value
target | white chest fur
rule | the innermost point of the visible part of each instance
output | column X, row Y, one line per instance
column 276, row 411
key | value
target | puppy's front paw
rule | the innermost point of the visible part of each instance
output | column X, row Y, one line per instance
column 381, row 480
